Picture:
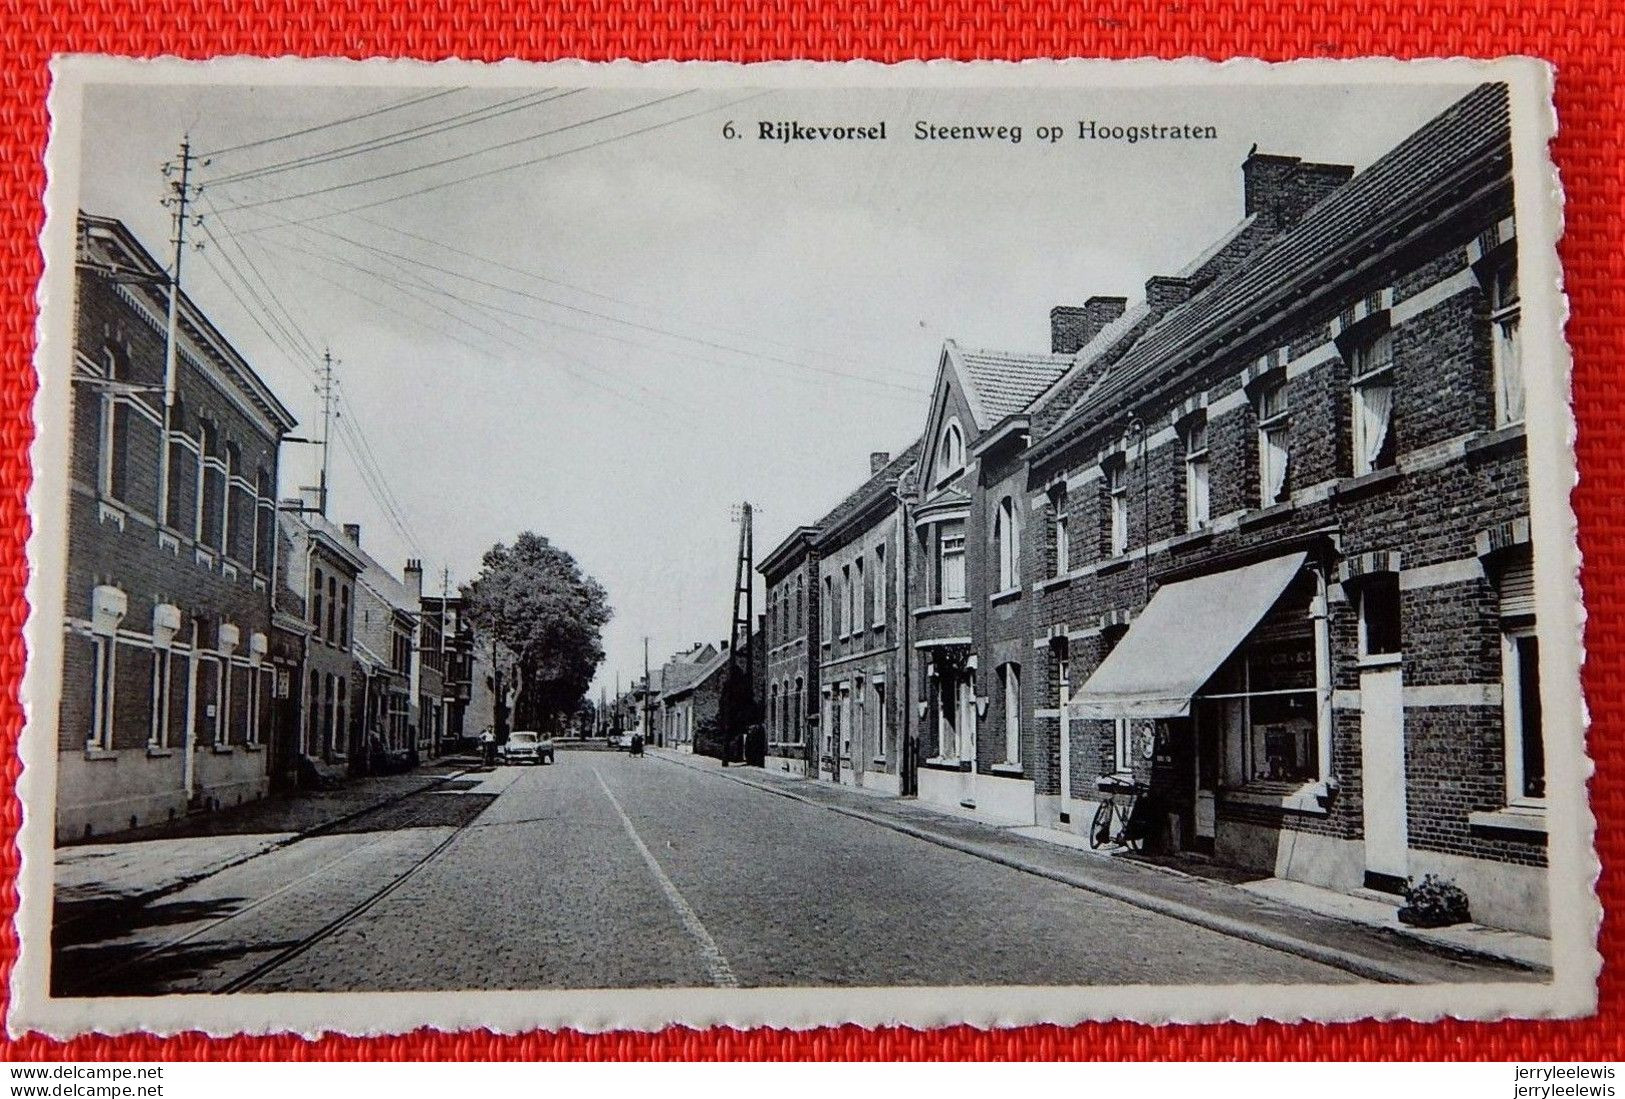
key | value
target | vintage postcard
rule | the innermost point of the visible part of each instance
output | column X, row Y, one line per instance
column 608, row 546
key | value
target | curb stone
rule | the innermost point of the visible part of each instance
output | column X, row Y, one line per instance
column 1358, row 965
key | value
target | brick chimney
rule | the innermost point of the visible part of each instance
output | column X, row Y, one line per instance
column 878, row 460
column 352, row 531
column 413, row 577
column 1284, row 188
column 1163, row 292
column 1071, row 327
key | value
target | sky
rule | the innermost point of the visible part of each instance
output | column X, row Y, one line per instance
column 601, row 320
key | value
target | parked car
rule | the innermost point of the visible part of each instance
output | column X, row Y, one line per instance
column 526, row 747
column 623, row 741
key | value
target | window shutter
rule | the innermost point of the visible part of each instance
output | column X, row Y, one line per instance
column 1518, row 589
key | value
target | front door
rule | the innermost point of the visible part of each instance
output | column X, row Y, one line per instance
column 1209, row 732
column 1382, row 763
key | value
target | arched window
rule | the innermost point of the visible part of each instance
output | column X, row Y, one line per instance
column 950, row 451
column 343, row 711
column 206, row 528
column 1007, row 545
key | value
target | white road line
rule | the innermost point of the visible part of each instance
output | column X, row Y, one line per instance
column 716, row 965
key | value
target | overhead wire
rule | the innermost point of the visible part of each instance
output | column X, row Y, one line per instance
column 397, row 173
column 399, row 137
column 518, row 164
column 213, row 153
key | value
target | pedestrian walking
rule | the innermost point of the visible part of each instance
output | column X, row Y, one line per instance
column 637, row 744
column 488, row 746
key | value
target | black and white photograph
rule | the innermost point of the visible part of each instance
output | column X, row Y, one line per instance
column 608, row 546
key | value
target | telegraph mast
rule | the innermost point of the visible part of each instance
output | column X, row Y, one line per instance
column 738, row 698
column 179, row 173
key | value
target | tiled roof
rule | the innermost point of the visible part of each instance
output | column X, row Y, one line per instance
column 1007, row 381
column 701, row 674
column 887, row 476
column 1473, row 131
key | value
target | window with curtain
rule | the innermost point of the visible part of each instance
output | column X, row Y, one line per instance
column 1273, row 454
column 1007, row 545
column 1117, row 504
column 1061, row 548
column 1012, row 714
column 1506, row 358
column 951, row 561
column 1372, row 386
column 1197, row 498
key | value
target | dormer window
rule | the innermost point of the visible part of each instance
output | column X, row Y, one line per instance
column 950, row 451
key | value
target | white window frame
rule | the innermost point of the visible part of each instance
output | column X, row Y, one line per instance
column 1011, row 675
column 1122, row 745
column 877, row 611
column 951, row 546
column 882, row 751
column 1198, row 486
column 1007, row 545
column 1061, row 529
column 1117, row 497
column 1506, row 349
column 1274, row 443
column 163, row 670
column 859, row 599
column 1371, row 374
column 104, row 683
column 1512, row 714
column 950, row 451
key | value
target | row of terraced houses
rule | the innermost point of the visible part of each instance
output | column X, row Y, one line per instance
column 1257, row 538
column 219, row 642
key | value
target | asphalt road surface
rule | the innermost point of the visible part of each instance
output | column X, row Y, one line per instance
column 605, row 871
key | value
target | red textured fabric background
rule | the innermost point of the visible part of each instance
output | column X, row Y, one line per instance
column 1584, row 38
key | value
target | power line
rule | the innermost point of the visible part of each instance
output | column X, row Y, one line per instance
column 330, row 125
column 453, row 159
column 291, row 330
column 399, row 137
column 510, row 167
column 654, row 329
column 488, row 308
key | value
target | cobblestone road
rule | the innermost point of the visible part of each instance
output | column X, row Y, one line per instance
column 606, row 871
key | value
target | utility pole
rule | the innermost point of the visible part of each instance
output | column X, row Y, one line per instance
column 326, row 392
column 736, row 717
column 180, row 198
column 648, row 686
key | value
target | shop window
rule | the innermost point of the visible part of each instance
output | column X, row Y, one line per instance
column 1505, row 354
column 1274, row 454
column 1372, row 397
column 1197, row 497
column 1379, row 615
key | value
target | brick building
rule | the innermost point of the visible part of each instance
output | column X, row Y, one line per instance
column 967, row 593
column 171, row 518
column 1314, row 450
column 317, row 574
column 428, row 677
column 386, row 614
column 861, row 670
column 790, row 651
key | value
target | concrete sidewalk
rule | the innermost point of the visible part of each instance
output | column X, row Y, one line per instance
column 151, row 862
column 1280, row 921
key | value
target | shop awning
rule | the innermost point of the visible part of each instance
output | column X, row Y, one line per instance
column 1180, row 639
